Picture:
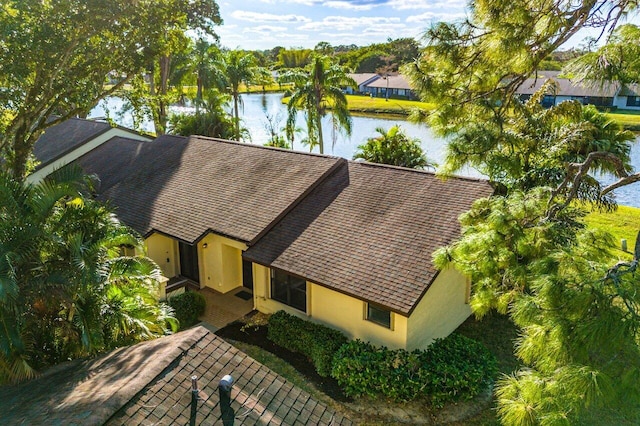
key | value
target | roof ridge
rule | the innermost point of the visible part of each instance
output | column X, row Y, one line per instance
column 268, row 148
column 407, row 169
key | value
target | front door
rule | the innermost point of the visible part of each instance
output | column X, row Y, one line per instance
column 247, row 274
column 189, row 261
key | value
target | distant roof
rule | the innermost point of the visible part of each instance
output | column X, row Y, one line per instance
column 150, row 383
column 361, row 78
column 370, row 231
column 395, row 82
column 185, row 187
column 567, row 87
column 630, row 90
column 65, row 137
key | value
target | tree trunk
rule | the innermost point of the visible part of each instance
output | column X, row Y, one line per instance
column 237, row 116
column 161, row 122
column 320, row 138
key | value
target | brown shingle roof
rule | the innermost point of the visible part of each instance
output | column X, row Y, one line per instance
column 369, row 231
column 395, row 82
column 150, row 383
column 65, row 137
column 186, row 187
column 567, row 87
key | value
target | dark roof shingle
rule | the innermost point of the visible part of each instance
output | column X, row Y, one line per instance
column 186, row 187
column 150, row 383
column 369, row 231
column 65, row 137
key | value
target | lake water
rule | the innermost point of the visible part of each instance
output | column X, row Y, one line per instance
column 256, row 107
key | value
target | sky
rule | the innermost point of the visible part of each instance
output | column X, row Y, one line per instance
column 264, row 24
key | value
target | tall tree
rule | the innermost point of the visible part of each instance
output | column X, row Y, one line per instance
column 526, row 249
column 393, row 147
column 318, row 89
column 237, row 68
column 56, row 56
column 65, row 288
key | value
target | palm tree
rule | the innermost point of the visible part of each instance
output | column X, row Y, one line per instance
column 65, row 289
column 316, row 89
column 237, row 67
column 395, row 148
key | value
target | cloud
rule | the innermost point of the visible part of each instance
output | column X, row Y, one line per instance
column 266, row 29
column 429, row 17
column 348, row 5
column 421, row 4
column 268, row 17
column 344, row 23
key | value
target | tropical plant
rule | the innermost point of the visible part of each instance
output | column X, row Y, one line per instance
column 237, row 68
column 393, row 147
column 65, row 288
column 210, row 119
column 317, row 89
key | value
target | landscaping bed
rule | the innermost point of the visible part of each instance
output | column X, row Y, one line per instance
column 256, row 334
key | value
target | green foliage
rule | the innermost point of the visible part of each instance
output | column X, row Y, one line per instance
column 65, row 289
column 451, row 369
column 237, row 68
column 317, row 88
column 317, row 342
column 395, row 148
column 209, row 120
column 188, row 307
column 56, row 57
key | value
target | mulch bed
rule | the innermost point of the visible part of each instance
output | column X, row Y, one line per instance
column 257, row 336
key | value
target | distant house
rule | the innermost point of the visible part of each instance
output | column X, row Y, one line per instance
column 611, row 94
column 391, row 86
column 362, row 80
column 65, row 142
column 151, row 383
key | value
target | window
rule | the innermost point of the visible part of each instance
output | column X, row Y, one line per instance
column 633, row 100
column 379, row 315
column 289, row 290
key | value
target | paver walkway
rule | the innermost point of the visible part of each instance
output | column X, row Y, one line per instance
column 223, row 309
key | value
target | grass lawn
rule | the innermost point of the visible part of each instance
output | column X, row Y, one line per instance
column 630, row 119
column 622, row 223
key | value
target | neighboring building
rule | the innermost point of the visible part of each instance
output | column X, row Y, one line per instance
column 341, row 243
column 362, row 80
column 151, row 382
column 65, row 142
column 611, row 94
column 391, row 86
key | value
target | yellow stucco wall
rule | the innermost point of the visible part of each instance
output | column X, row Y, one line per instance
column 164, row 251
column 334, row 309
column 442, row 309
column 40, row 174
column 220, row 262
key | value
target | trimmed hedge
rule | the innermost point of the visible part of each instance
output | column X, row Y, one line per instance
column 188, row 306
column 315, row 341
column 450, row 369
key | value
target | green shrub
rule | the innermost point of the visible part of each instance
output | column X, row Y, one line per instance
column 188, row 307
column 450, row 369
column 315, row 341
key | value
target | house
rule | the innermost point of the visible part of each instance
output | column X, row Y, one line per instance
column 341, row 243
column 362, row 80
column 612, row 94
column 391, row 86
column 151, row 383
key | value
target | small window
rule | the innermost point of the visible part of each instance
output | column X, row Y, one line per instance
column 633, row 100
column 289, row 290
column 379, row 315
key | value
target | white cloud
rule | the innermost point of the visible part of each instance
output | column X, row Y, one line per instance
column 344, row 23
column 348, row 5
column 268, row 17
column 421, row 4
column 429, row 17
